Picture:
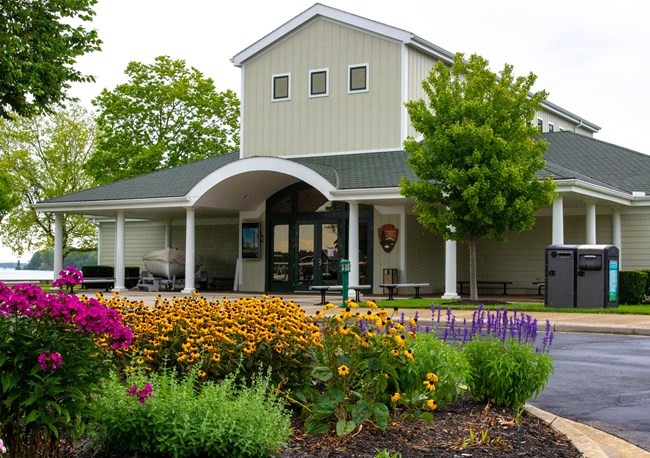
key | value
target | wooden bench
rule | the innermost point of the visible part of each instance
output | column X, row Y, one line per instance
column 392, row 286
column 323, row 289
column 488, row 283
column 110, row 281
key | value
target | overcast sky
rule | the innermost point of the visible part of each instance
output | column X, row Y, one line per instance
column 593, row 57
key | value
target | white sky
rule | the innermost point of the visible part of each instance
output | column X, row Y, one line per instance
column 592, row 56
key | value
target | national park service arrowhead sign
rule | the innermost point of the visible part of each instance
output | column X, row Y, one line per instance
column 387, row 237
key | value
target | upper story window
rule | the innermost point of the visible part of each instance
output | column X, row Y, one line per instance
column 540, row 124
column 551, row 127
column 561, row 129
column 319, row 82
column 281, row 87
column 358, row 78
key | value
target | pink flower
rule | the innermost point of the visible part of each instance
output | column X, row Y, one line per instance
column 50, row 361
column 146, row 392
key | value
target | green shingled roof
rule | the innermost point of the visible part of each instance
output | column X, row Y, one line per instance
column 569, row 156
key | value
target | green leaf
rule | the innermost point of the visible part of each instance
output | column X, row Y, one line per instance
column 9, row 380
column 314, row 426
column 361, row 411
column 381, row 415
column 322, row 373
column 344, row 427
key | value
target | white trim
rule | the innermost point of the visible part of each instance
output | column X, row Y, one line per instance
column 327, row 82
column 281, row 99
column 342, row 153
column 367, row 194
column 241, row 114
column 261, row 164
column 367, row 88
column 551, row 127
column 123, row 204
column 404, row 119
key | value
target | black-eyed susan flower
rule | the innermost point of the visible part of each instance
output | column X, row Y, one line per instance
column 343, row 370
column 395, row 397
column 431, row 404
column 409, row 354
column 432, row 377
column 395, row 352
column 201, row 373
column 429, row 385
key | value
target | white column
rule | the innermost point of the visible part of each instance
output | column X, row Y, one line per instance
column 558, row 221
column 119, row 253
column 190, row 244
column 450, row 270
column 58, row 244
column 353, row 244
column 616, row 234
column 590, row 223
column 402, row 251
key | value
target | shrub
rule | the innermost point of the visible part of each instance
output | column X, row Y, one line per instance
column 433, row 355
column 220, row 337
column 179, row 420
column 355, row 373
column 506, row 373
column 50, row 364
column 632, row 287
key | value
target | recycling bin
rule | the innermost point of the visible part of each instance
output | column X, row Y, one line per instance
column 581, row 276
column 597, row 276
column 560, row 276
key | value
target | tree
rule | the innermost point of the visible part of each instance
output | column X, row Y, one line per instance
column 40, row 41
column 477, row 161
column 44, row 156
column 166, row 115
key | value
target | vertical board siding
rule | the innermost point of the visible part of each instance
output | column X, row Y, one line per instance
column 425, row 257
column 635, row 249
column 339, row 122
column 140, row 238
column 560, row 122
column 419, row 67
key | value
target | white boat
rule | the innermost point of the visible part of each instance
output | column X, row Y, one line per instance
column 168, row 263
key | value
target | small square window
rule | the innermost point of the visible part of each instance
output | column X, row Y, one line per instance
column 358, row 78
column 282, row 86
column 551, row 127
column 318, row 83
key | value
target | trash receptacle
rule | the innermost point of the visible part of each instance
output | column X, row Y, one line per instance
column 597, row 276
column 560, row 276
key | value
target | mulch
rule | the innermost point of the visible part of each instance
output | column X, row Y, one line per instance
column 463, row 429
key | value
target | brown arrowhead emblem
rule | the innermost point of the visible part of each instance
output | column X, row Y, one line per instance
column 387, row 237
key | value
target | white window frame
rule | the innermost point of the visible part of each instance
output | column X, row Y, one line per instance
column 540, row 124
column 551, row 127
column 280, row 99
column 357, row 91
column 327, row 82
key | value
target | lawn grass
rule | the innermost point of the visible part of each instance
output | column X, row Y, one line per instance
column 522, row 306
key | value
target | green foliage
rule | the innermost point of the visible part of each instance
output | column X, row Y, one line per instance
column 44, row 260
column 386, row 454
column 477, row 162
column 8, row 196
column 181, row 420
column 40, row 42
column 508, row 373
column 433, row 355
column 166, row 115
column 632, row 286
column 355, row 373
column 44, row 158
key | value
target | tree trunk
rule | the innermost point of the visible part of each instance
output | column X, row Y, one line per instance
column 473, row 287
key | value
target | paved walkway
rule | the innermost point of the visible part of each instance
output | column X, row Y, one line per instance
column 592, row 442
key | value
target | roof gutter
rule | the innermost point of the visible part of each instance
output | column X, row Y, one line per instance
column 122, row 204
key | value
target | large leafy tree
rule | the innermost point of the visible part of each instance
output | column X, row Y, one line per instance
column 166, row 115
column 477, row 160
column 40, row 41
column 44, row 157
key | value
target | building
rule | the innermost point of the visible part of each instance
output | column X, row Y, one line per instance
column 317, row 178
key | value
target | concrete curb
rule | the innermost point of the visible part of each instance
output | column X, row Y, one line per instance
column 601, row 328
column 591, row 442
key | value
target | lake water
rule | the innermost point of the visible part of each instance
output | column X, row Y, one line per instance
column 16, row 275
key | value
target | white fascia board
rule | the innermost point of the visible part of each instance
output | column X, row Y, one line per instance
column 129, row 204
column 367, row 194
column 326, row 12
column 578, row 121
column 594, row 191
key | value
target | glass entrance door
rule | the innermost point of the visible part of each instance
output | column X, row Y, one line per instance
column 317, row 253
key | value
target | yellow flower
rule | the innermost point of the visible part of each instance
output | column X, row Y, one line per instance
column 395, row 352
column 409, row 354
column 431, row 404
column 429, row 385
column 432, row 377
column 201, row 373
column 395, row 397
column 343, row 370
column 371, row 305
